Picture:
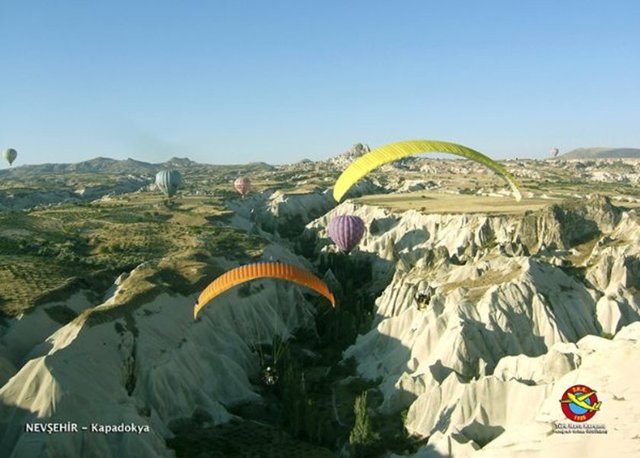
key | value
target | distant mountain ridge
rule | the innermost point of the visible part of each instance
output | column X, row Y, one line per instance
column 601, row 153
column 125, row 166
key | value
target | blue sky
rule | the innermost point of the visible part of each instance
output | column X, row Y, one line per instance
column 278, row 81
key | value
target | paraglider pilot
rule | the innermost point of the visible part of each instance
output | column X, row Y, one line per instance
column 423, row 299
column 269, row 376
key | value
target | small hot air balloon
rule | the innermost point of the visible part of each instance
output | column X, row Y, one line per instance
column 555, row 152
column 168, row 181
column 242, row 185
column 346, row 231
column 10, row 155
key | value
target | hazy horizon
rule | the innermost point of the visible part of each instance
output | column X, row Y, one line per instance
column 282, row 82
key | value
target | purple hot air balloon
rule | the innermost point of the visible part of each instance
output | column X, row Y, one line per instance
column 346, row 231
column 242, row 185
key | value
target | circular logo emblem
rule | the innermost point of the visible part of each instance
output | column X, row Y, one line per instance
column 579, row 403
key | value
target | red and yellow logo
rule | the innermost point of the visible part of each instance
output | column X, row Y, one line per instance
column 580, row 403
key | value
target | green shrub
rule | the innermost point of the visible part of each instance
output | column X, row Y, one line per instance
column 362, row 437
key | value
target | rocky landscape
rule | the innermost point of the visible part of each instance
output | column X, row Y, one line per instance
column 462, row 317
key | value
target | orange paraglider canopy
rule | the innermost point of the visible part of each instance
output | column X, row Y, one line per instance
column 250, row 272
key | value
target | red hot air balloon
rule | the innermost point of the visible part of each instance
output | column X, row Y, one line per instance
column 346, row 231
column 242, row 185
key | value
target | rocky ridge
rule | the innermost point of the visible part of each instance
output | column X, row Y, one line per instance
column 518, row 308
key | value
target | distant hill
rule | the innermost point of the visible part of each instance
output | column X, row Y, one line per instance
column 97, row 165
column 128, row 166
column 601, row 153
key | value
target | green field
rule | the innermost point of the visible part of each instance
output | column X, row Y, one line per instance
column 437, row 202
column 47, row 249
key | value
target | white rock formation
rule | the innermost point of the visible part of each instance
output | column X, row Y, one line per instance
column 143, row 362
column 504, row 335
column 341, row 161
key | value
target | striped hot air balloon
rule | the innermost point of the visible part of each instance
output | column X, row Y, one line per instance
column 346, row 231
column 168, row 181
column 242, row 185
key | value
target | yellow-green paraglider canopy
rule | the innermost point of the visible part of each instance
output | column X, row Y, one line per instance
column 394, row 151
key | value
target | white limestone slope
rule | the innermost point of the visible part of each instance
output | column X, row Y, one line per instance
column 609, row 367
column 145, row 362
column 269, row 214
column 28, row 333
column 505, row 332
